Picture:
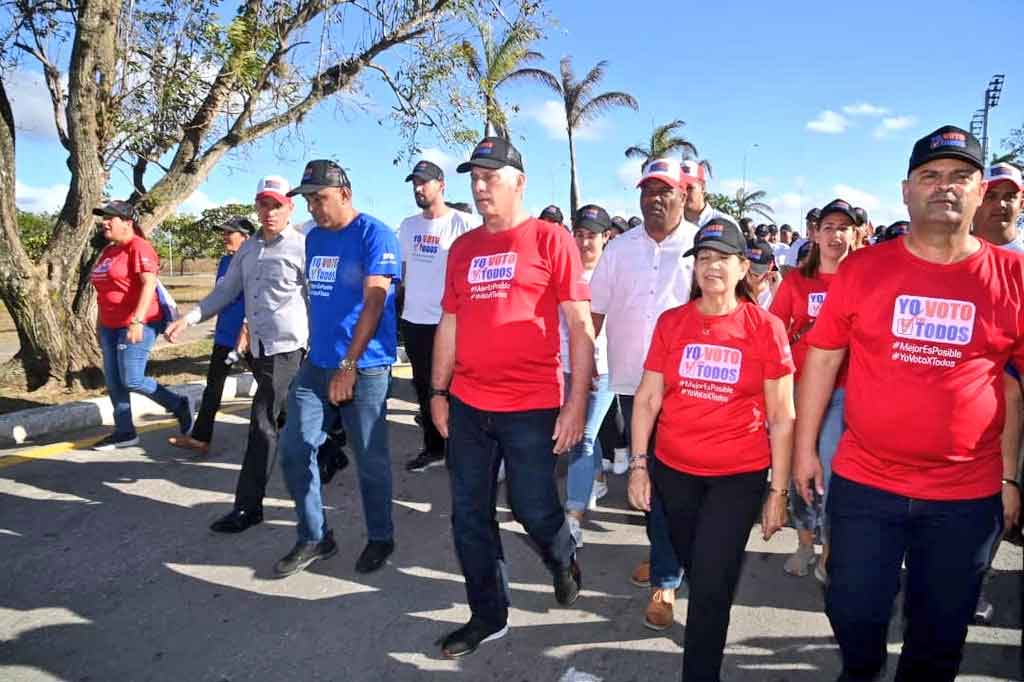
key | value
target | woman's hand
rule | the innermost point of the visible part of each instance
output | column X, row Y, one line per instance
column 773, row 515
column 639, row 489
column 1011, row 505
column 134, row 334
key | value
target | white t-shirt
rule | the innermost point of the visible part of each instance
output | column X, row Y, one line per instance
column 710, row 213
column 764, row 299
column 424, row 244
column 636, row 280
column 781, row 253
column 600, row 343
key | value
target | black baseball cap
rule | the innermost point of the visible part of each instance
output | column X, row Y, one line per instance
column 425, row 171
column 813, row 214
column 785, row 228
column 321, row 174
column 720, row 235
column 761, row 231
column 115, row 209
column 897, row 229
column 592, row 217
column 862, row 216
column 239, row 224
column 838, row 206
column 947, row 142
column 634, row 221
column 620, row 224
column 804, row 249
column 552, row 214
column 761, row 257
column 493, row 152
column 772, row 229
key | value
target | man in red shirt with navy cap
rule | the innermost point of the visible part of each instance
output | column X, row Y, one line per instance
column 496, row 387
column 929, row 320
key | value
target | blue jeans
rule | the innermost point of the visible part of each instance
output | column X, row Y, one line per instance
column 666, row 571
column 365, row 423
column 585, row 458
column 478, row 441
column 947, row 545
column 124, row 369
column 832, row 426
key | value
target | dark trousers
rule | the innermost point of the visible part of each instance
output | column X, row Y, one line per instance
column 947, row 545
column 215, row 376
column 273, row 374
column 419, row 346
column 612, row 435
column 709, row 521
column 478, row 441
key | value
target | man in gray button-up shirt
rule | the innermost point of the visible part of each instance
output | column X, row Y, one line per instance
column 270, row 269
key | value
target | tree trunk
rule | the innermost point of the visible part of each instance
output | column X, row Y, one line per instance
column 574, row 185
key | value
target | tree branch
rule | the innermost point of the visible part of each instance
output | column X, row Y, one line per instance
column 51, row 75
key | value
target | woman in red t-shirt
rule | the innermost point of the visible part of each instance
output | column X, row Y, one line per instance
column 797, row 304
column 717, row 370
column 127, row 323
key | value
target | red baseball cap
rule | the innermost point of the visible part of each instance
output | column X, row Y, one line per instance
column 274, row 186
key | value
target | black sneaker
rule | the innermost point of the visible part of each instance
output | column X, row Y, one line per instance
column 116, row 441
column 567, row 583
column 374, row 555
column 424, row 461
column 466, row 639
column 305, row 553
column 184, row 415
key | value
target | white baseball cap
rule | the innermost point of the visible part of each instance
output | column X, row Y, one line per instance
column 274, row 186
column 695, row 172
column 668, row 171
column 1004, row 172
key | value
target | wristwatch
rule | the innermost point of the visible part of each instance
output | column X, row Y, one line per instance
column 347, row 365
column 440, row 392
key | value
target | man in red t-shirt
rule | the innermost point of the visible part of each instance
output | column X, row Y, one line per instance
column 929, row 322
column 496, row 385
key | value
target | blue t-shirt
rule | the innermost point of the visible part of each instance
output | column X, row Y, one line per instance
column 337, row 262
column 229, row 321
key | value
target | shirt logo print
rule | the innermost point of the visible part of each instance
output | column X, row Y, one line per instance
column 496, row 267
column 706, row 362
column 103, row 267
column 323, row 269
column 815, row 300
column 942, row 320
column 426, row 244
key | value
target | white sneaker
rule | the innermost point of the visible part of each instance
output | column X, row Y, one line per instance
column 501, row 472
column 606, row 465
column 600, row 490
column 621, row 461
column 574, row 529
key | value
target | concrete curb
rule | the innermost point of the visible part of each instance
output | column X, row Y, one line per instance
column 17, row 427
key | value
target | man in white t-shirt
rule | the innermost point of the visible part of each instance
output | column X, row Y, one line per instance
column 425, row 239
column 697, row 210
column 641, row 275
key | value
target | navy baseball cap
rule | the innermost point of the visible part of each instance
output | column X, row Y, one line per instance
column 947, row 142
column 592, row 217
column 552, row 214
column 493, row 152
column 720, row 235
column 761, row 257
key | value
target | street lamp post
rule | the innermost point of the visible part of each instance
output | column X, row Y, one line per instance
column 979, row 122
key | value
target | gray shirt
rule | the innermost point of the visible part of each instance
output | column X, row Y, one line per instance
column 273, row 277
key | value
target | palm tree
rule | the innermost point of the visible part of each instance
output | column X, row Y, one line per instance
column 752, row 202
column 664, row 142
column 499, row 63
column 581, row 107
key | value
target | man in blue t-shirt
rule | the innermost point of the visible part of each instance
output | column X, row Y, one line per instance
column 352, row 265
column 228, row 343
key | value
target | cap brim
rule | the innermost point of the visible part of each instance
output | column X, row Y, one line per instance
column 995, row 181
column 467, row 166
column 849, row 214
column 591, row 225
column 715, row 245
column 950, row 154
column 281, row 198
column 309, row 189
column 421, row 176
column 759, row 268
column 661, row 177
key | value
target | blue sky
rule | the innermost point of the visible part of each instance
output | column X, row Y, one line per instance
column 832, row 98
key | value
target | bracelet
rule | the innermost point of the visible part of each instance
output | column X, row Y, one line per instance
column 439, row 393
column 783, row 493
column 135, row 322
column 638, row 461
column 1010, row 481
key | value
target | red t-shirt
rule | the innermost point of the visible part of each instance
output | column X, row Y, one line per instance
column 117, row 283
column 797, row 303
column 504, row 289
column 712, row 420
column 927, row 346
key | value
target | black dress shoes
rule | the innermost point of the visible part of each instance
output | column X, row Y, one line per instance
column 236, row 521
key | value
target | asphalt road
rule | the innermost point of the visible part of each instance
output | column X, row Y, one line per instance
column 108, row 572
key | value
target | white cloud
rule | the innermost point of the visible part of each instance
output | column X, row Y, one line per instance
column 891, row 123
column 446, row 161
column 629, row 173
column 551, row 116
column 196, row 203
column 828, row 122
column 39, row 199
column 858, row 197
column 791, row 201
column 30, row 103
column 731, row 185
column 864, row 109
